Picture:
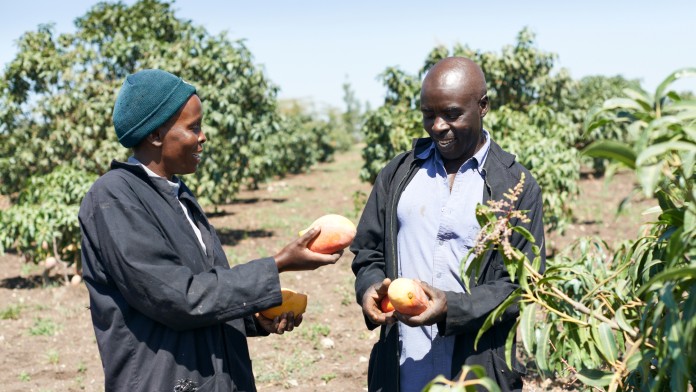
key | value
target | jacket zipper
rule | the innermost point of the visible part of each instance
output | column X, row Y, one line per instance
column 394, row 234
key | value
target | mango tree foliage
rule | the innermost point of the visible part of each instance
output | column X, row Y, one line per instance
column 43, row 221
column 390, row 128
column 57, row 95
column 540, row 140
column 528, row 117
column 623, row 319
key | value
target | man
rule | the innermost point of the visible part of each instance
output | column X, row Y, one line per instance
column 419, row 222
column 169, row 313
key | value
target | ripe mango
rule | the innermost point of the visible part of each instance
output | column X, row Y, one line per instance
column 407, row 297
column 292, row 302
column 337, row 232
column 386, row 305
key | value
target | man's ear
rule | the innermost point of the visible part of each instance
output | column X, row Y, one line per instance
column 154, row 138
column 483, row 105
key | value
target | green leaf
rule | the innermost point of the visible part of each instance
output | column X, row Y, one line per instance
column 680, row 273
column 621, row 320
column 595, row 378
column 487, row 383
column 525, row 233
column 493, row 317
column 641, row 98
column 671, row 78
column 622, row 103
column 542, row 345
column 614, row 150
column 527, row 322
column 649, row 177
column 633, row 361
column 604, row 340
column 509, row 342
column 658, row 149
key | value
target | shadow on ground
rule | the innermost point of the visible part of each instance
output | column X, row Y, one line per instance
column 231, row 237
column 30, row 282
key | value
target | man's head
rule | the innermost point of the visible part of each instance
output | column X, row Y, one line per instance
column 453, row 103
column 160, row 117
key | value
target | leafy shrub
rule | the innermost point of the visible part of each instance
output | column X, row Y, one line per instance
column 46, row 211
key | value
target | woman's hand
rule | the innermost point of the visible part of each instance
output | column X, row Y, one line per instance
column 297, row 257
column 279, row 324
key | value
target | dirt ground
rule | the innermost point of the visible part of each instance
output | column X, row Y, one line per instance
column 47, row 342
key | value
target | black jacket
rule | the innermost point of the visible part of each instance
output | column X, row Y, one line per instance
column 166, row 313
column 375, row 252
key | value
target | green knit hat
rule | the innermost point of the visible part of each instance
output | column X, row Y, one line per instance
column 147, row 100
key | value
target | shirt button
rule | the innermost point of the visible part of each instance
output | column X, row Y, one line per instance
column 439, row 275
column 441, row 242
column 442, row 209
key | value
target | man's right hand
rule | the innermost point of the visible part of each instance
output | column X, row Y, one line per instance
column 297, row 257
column 371, row 303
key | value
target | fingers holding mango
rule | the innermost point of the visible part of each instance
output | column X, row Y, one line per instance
column 372, row 303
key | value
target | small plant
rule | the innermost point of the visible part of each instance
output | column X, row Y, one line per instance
column 11, row 312
column 43, row 327
column 27, row 269
column 80, row 381
column 24, row 376
column 359, row 201
column 314, row 334
column 328, row 377
column 53, row 357
column 81, row 367
column 465, row 383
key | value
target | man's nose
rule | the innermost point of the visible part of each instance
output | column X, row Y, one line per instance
column 201, row 137
column 440, row 125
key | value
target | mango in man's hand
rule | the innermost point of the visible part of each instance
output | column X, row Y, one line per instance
column 386, row 305
column 407, row 297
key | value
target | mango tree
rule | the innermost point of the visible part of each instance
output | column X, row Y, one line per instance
column 57, row 96
column 623, row 319
column 530, row 117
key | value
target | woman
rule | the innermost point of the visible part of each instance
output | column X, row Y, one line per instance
column 168, row 312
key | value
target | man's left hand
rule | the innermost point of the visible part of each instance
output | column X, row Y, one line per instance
column 436, row 311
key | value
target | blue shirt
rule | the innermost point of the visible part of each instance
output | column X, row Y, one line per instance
column 436, row 230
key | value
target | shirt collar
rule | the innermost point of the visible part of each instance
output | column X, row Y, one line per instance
column 479, row 157
column 175, row 185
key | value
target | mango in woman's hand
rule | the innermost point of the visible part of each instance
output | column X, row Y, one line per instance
column 292, row 302
column 337, row 232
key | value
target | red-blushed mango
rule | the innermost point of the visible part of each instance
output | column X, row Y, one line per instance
column 386, row 305
column 292, row 302
column 337, row 232
column 407, row 297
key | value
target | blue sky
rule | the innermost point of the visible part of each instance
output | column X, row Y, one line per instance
column 310, row 48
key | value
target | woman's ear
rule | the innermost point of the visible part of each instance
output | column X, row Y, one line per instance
column 155, row 138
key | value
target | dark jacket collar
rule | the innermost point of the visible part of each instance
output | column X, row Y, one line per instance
column 495, row 154
column 161, row 184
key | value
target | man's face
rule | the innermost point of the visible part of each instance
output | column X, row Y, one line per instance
column 182, row 141
column 452, row 115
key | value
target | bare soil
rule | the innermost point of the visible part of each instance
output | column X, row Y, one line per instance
column 47, row 342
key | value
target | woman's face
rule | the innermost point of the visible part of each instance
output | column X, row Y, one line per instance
column 182, row 142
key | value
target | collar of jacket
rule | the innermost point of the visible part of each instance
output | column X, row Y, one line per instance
column 160, row 184
column 497, row 161
column 500, row 157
